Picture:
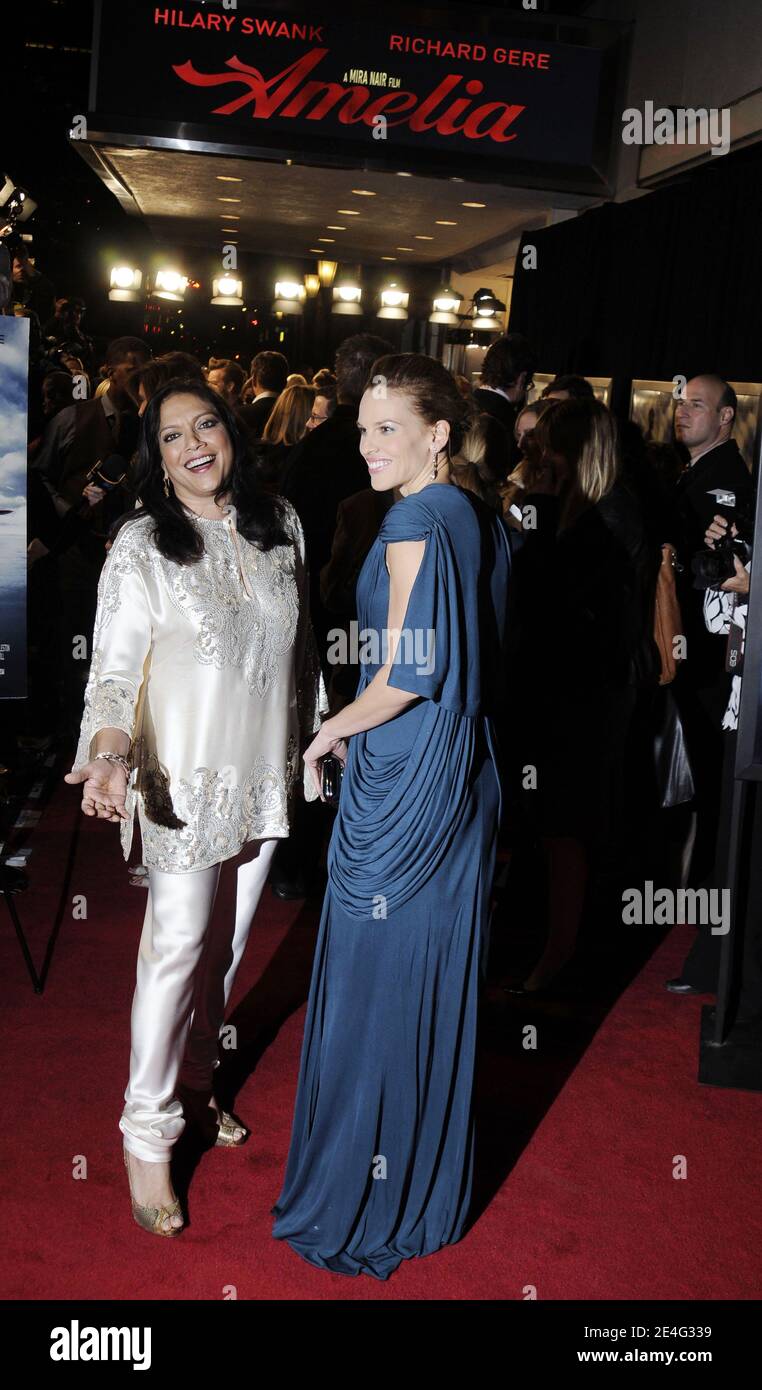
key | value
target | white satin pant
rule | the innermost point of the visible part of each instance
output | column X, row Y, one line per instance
column 187, row 962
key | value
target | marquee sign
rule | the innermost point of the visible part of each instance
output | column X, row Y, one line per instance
column 380, row 88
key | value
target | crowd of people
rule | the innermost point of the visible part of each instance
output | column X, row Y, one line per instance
column 201, row 538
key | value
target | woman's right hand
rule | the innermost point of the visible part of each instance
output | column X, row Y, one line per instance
column 104, row 790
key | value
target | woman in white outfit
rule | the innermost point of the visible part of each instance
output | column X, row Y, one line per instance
column 204, row 689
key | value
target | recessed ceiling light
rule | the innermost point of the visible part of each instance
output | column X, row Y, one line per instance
column 334, row 227
column 317, row 249
column 442, row 222
column 364, row 192
column 230, row 200
column 230, row 216
column 327, row 238
column 348, row 212
column 420, row 237
column 454, row 179
column 388, row 258
column 474, row 205
column 402, row 174
column 406, row 248
column 228, row 229
column 229, row 178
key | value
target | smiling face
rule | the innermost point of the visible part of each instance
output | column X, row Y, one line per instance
column 196, row 449
column 398, row 445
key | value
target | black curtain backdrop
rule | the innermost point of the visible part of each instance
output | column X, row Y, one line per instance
column 666, row 284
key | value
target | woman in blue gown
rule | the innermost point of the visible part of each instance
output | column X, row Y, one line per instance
column 380, row 1164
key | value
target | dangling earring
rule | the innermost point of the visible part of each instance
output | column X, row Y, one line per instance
column 435, row 469
column 166, row 483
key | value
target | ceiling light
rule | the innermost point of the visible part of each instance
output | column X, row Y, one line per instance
column 420, row 236
column 229, row 178
column 441, row 222
column 364, row 192
column 329, row 240
column 289, row 297
column 326, row 271
column 334, row 227
column 347, row 295
column 394, row 301
column 230, row 200
column 446, row 303
column 486, row 311
column 402, row 174
column 388, row 258
column 169, row 284
column 406, row 248
column 348, row 212
column 473, row 205
column 125, row 283
column 227, row 289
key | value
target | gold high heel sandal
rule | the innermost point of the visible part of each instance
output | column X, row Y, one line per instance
column 226, row 1131
column 152, row 1218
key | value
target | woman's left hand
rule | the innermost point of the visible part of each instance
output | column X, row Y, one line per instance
column 323, row 744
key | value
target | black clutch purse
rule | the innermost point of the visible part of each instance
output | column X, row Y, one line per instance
column 331, row 773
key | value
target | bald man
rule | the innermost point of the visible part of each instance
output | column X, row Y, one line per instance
column 704, row 420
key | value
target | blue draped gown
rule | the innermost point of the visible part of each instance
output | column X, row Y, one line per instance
column 380, row 1163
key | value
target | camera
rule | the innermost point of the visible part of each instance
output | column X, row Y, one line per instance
column 711, row 567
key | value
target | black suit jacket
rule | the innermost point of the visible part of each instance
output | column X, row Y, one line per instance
column 256, row 414
column 324, row 468
column 502, row 453
column 723, row 467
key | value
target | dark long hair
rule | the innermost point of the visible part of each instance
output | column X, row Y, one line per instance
column 261, row 517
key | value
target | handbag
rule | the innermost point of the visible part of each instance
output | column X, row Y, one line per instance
column 668, row 622
column 331, row 774
column 674, row 778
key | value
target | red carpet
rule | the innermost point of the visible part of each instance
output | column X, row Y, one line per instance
column 586, row 1208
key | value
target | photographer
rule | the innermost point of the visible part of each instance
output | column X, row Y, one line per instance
column 725, row 607
column 704, row 420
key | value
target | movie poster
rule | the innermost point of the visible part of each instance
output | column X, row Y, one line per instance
column 14, row 380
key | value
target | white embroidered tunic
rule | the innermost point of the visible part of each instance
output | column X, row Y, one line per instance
column 212, row 670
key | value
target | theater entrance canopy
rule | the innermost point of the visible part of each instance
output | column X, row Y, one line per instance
column 465, row 123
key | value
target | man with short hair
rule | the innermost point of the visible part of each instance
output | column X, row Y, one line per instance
column 269, row 371
column 322, row 408
column 89, row 430
column 568, row 388
column 507, row 373
column 704, row 419
column 227, row 379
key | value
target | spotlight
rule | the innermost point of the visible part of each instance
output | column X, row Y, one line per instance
column 126, row 283
column 446, row 302
column 347, row 295
column 170, row 284
column 394, row 302
column 289, row 297
column 227, row 289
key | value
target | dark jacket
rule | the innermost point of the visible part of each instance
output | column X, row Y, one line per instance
column 582, row 599
column 255, row 415
column 325, row 467
column 502, row 454
column 723, row 467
